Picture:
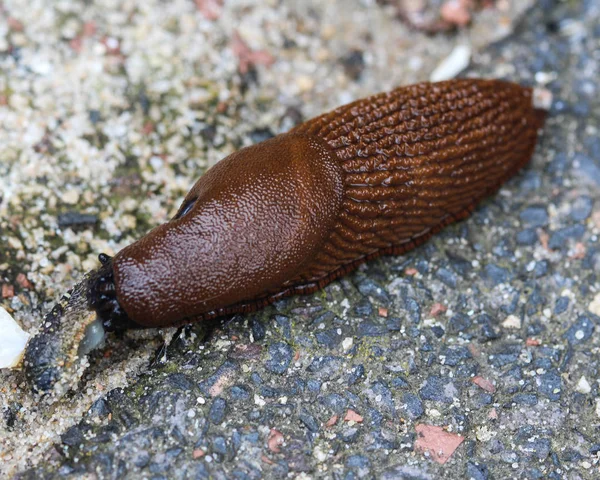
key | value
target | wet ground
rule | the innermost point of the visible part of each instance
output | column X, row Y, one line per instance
column 488, row 331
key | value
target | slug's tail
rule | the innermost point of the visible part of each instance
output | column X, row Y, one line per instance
column 542, row 102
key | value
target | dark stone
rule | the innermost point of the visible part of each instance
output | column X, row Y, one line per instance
column 541, row 268
column 369, row 287
column 141, row 458
column 571, row 455
column 489, row 332
column 180, row 381
column 239, row 393
column 252, row 438
column 587, row 169
column 357, row 461
column 482, row 399
column 382, row 440
column 76, row 220
column 467, row 369
column 438, row 331
column 399, row 382
column 209, row 133
column 95, row 116
column 477, row 471
column 438, row 389
column 447, row 277
column 309, row 421
column 219, row 445
column 73, row 437
column 380, row 397
column 534, row 216
column 367, row 329
column 355, row 374
column 354, row 64
column 130, row 420
column 314, row 386
column 290, row 118
column 286, row 327
column 580, row 331
column 413, row 406
column 99, row 409
column 327, row 366
column 363, row 308
column 550, row 385
column 393, row 324
column 530, row 180
column 459, row 323
column 543, row 363
column 9, row 414
column 405, row 472
column 330, row 338
column 334, row 402
column 459, row 264
column 258, row 329
column 525, row 399
column 414, row 310
column 581, row 208
column 505, row 355
column 527, row 237
column 454, row 355
column 536, row 447
column 496, row 275
column 281, row 355
column 349, row 435
column 217, row 411
column 560, row 237
column 374, row 416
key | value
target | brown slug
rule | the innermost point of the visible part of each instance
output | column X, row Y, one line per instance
column 289, row 215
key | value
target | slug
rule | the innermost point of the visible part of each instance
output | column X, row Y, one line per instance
column 378, row 176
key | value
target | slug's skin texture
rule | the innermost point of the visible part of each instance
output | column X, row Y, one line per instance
column 289, row 215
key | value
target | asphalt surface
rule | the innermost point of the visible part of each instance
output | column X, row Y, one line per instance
column 489, row 331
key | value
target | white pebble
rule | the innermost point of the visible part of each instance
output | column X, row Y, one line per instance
column 512, row 321
column 583, row 386
column 453, row 64
column 594, row 306
column 12, row 341
column 70, row 197
column 542, row 98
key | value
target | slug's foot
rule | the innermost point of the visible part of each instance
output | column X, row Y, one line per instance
column 103, row 298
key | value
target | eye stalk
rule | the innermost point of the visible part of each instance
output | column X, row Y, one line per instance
column 102, row 297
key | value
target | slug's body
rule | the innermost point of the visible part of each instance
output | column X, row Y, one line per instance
column 289, row 215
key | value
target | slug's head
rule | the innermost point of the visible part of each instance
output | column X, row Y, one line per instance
column 245, row 228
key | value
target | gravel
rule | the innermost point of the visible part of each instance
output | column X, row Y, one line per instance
column 489, row 330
